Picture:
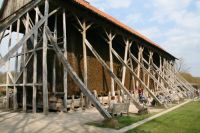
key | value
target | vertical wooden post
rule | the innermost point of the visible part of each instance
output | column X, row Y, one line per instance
column 125, row 60
column 132, row 77
column 72, row 103
column 149, row 68
column 81, row 100
column 35, row 66
column 109, row 97
column 161, row 68
column 16, row 68
column 85, row 76
column 54, row 75
column 45, row 82
column 65, row 54
column 2, row 35
column 23, row 64
column 110, row 39
column 8, row 70
column 54, row 58
column 139, row 67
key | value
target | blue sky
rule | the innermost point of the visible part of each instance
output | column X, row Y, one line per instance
column 173, row 24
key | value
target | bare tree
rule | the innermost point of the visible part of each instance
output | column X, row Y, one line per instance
column 181, row 66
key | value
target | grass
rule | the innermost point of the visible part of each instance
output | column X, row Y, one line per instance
column 185, row 119
column 122, row 121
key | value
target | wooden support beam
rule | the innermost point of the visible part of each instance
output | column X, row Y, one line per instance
column 152, row 77
column 136, row 77
column 133, row 78
column 110, row 39
column 25, row 38
column 183, row 86
column 55, row 35
column 149, row 68
column 8, row 69
column 4, row 24
column 65, row 54
column 122, row 87
column 127, row 43
column 2, row 35
column 161, row 76
column 54, row 56
column 16, row 69
column 34, row 101
column 139, row 68
column 75, row 77
column 44, row 62
column 24, row 57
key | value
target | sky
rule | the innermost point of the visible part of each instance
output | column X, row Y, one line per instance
column 173, row 24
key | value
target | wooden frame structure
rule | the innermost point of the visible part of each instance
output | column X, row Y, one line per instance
column 47, row 54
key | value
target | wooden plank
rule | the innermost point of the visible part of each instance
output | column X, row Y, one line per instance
column 44, row 62
column 103, row 63
column 75, row 77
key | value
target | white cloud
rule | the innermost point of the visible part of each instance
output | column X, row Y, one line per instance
column 119, row 3
column 111, row 4
column 133, row 18
column 151, row 32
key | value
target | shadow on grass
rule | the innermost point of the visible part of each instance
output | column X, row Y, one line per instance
column 120, row 121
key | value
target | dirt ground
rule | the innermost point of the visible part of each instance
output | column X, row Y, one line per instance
column 71, row 122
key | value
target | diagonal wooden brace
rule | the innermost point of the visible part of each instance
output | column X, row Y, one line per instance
column 119, row 83
column 135, row 75
column 75, row 77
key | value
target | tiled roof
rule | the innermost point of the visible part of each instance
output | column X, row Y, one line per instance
column 116, row 22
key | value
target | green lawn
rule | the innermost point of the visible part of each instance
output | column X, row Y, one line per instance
column 185, row 119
